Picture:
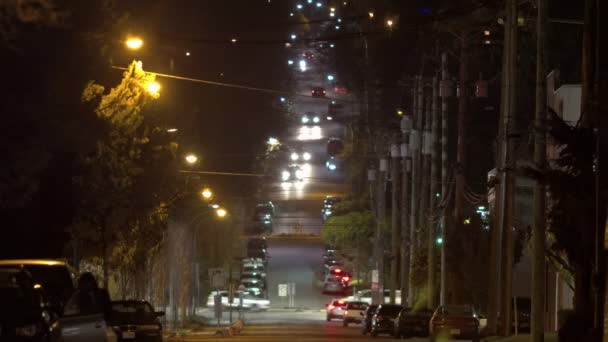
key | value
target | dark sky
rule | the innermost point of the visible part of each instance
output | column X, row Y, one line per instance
column 225, row 125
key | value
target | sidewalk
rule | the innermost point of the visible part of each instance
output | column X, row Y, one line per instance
column 549, row 337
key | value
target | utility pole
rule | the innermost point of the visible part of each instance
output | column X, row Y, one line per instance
column 540, row 156
column 396, row 236
column 435, row 164
column 462, row 114
column 415, row 138
column 381, row 221
column 406, row 128
column 426, row 170
column 508, row 164
column 444, row 176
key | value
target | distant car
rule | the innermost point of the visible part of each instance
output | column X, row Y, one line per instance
column 24, row 315
column 293, row 173
column 318, row 92
column 335, row 309
column 332, row 163
column 412, row 323
column 454, row 322
column 354, row 313
column 330, row 201
column 253, row 286
column 334, row 147
column 366, row 323
column 383, row 320
column 308, row 55
column 57, row 278
column 343, row 275
column 335, row 108
column 135, row 320
column 255, row 268
column 310, row 119
column 333, row 284
column 254, row 261
column 257, row 243
column 249, row 301
column 263, row 213
column 300, row 155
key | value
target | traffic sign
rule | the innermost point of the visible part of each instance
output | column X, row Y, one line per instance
column 217, row 277
column 282, row 290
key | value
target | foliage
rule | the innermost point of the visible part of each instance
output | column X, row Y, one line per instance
column 345, row 231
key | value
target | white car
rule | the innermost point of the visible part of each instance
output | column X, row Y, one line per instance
column 249, row 268
column 249, row 301
column 366, row 296
column 353, row 313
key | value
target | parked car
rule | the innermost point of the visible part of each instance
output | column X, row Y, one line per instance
column 56, row 277
column 24, row 311
column 253, row 286
column 354, row 313
column 333, row 284
column 334, row 146
column 383, row 320
column 135, row 320
column 456, row 322
column 412, row 323
column 318, row 92
column 250, row 302
column 366, row 322
column 257, row 243
column 254, row 269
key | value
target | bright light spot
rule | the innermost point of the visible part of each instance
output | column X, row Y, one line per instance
column 191, row 159
column 293, row 36
column 305, row 119
column 488, row 42
column 303, row 65
column 371, row 14
column 294, row 156
column 288, row 44
column 187, row 53
column 290, row 62
column 399, row 112
column 282, row 99
column 286, row 185
column 329, row 118
column 486, row 33
column 316, row 119
column 331, row 166
column 134, row 43
column 291, row 14
column 339, row 20
column 389, row 23
column 331, row 45
column 481, row 208
column 330, row 77
column 273, row 142
column 306, row 156
column 332, row 14
column 285, row 175
column 439, row 240
column 221, row 212
column 233, row 40
column 37, row 286
column 299, row 6
column 153, row 88
column 467, row 220
column 299, row 185
column 299, row 173
column 333, row 9
column 306, row 170
column 215, row 206
column 319, row 4
column 206, row 193
column 309, row 1
column 309, row 133
column 172, row 130
column 316, row 132
column 337, row 27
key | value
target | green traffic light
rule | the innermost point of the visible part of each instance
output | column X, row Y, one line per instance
column 439, row 240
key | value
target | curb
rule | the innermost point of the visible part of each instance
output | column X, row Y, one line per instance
column 233, row 330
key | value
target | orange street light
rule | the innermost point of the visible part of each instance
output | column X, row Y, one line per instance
column 134, row 43
column 153, row 88
column 191, row 159
column 207, row 194
column 221, row 212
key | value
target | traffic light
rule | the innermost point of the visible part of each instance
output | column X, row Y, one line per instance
column 439, row 240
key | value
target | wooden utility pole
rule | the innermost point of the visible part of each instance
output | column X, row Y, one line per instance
column 406, row 128
column 380, row 222
column 434, row 187
column 462, row 119
column 426, row 173
column 444, row 179
column 540, row 160
column 415, row 142
column 507, row 168
column 395, row 229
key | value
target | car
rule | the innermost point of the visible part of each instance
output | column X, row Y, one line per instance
column 263, row 213
column 308, row 55
column 335, row 108
column 318, row 92
column 366, row 322
column 366, row 296
column 455, row 322
column 299, row 155
column 57, row 278
column 332, row 163
column 383, row 320
column 255, row 268
column 354, row 313
column 254, row 261
column 135, row 320
column 412, row 323
column 340, row 273
column 335, row 309
column 330, row 201
column 333, row 284
column 310, row 119
column 25, row 314
column 250, row 302
column 257, row 243
column 253, row 286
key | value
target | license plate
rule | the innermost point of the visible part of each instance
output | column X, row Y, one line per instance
column 128, row 334
column 455, row 331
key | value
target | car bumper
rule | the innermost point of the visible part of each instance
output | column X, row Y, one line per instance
column 456, row 332
column 349, row 319
column 413, row 330
column 384, row 327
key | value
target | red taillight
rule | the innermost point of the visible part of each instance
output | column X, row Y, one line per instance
column 331, row 307
column 340, row 301
column 346, row 312
column 337, row 270
column 345, row 279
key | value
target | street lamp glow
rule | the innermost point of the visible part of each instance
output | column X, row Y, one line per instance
column 282, row 99
column 332, row 9
column 172, row 130
column 293, row 36
column 290, row 62
column 399, row 112
column 233, row 40
column 332, row 14
column 389, row 23
column 207, row 193
column 187, row 53
column 330, row 77
column 371, row 14
column 299, row 6
column 153, row 88
column 319, row 4
column 331, row 45
column 191, row 159
column 221, row 212
column 134, row 43
column 291, row 14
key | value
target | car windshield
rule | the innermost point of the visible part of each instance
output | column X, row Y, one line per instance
column 456, row 310
column 55, row 280
column 390, row 310
column 139, row 308
column 356, row 306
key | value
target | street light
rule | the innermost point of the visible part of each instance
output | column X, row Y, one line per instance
column 153, row 88
column 221, row 212
column 134, row 43
column 389, row 23
column 191, row 159
column 207, row 194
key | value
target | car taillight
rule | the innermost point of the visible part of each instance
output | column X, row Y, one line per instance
column 346, row 312
column 331, row 307
column 345, row 279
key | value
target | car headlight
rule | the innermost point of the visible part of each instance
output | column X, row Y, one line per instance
column 295, row 156
column 305, row 119
column 306, row 156
column 316, row 119
column 285, row 175
column 299, row 174
column 26, row 330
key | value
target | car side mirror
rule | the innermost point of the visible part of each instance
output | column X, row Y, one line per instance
column 159, row 313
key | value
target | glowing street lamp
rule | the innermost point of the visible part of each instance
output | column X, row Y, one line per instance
column 191, row 159
column 390, row 23
column 134, row 43
column 221, row 212
column 153, row 88
column 207, row 194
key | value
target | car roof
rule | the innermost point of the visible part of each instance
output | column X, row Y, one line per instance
column 48, row 262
